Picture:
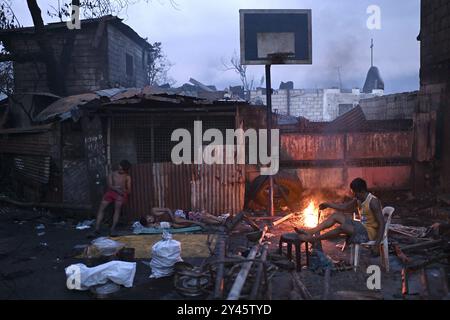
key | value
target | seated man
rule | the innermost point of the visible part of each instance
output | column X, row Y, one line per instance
column 370, row 228
column 119, row 187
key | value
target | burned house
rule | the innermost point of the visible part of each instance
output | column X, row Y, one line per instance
column 62, row 160
column 104, row 53
column 57, row 151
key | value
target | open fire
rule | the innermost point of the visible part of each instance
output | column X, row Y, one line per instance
column 310, row 215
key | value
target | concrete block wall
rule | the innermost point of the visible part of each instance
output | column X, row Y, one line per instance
column 390, row 107
column 314, row 104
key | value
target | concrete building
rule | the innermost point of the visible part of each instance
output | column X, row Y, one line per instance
column 313, row 104
column 391, row 106
column 321, row 104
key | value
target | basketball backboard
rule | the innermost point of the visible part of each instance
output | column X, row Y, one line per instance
column 275, row 36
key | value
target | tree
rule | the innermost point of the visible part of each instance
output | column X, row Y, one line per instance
column 8, row 20
column 92, row 8
column 236, row 66
column 158, row 67
column 56, row 65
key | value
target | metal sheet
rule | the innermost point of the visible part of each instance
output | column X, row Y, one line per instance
column 312, row 147
column 385, row 178
column 215, row 188
column 66, row 106
column 395, row 177
column 379, row 145
column 218, row 188
column 322, row 178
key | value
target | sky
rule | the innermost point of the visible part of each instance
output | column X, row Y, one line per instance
column 199, row 35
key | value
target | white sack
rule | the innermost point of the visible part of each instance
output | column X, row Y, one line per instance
column 80, row 277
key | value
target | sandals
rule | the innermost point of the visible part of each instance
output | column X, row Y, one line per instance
column 113, row 233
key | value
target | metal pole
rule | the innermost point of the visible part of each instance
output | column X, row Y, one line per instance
column 269, row 132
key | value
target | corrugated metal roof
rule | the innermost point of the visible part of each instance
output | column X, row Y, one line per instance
column 352, row 120
column 110, row 92
column 69, row 107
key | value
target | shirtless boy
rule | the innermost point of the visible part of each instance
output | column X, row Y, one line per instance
column 119, row 188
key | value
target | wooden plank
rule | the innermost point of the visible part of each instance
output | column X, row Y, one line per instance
column 285, row 218
column 219, row 283
column 326, row 285
column 238, row 284
column 300, row 286
column 357, row 295
column 403, row 258
column 259, row 274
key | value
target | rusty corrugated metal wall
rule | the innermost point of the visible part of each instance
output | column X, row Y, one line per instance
column 215, row 188
column 383, row 159
column 218, row 188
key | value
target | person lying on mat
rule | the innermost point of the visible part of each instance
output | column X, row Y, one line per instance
column 176, row 220
column 370, row 228
column 205, row 217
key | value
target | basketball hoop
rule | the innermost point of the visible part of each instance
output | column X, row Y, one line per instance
column 270, row 37
column 276, row 36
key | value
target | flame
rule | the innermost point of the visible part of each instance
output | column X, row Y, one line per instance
column 310, row 215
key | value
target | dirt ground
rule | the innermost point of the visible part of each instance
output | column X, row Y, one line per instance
column 32, row 261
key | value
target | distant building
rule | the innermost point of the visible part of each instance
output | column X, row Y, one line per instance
column 313, row 104
column 373, row 79
column 323, row 104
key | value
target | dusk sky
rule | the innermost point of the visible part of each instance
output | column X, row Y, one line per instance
column 197, row 35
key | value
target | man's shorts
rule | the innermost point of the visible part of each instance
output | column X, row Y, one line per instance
column 113, row 196
column 359, row 235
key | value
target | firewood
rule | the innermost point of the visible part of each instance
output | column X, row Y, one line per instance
column 298, row 284
column 421, row 245
column 358, row 295
column 281, row 220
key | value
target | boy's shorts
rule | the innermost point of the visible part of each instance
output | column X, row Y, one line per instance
column 113, row 196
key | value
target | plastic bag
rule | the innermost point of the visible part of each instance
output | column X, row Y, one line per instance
column 165, row 254
column 86, row 224
column 80, row 277
column 107, row 247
